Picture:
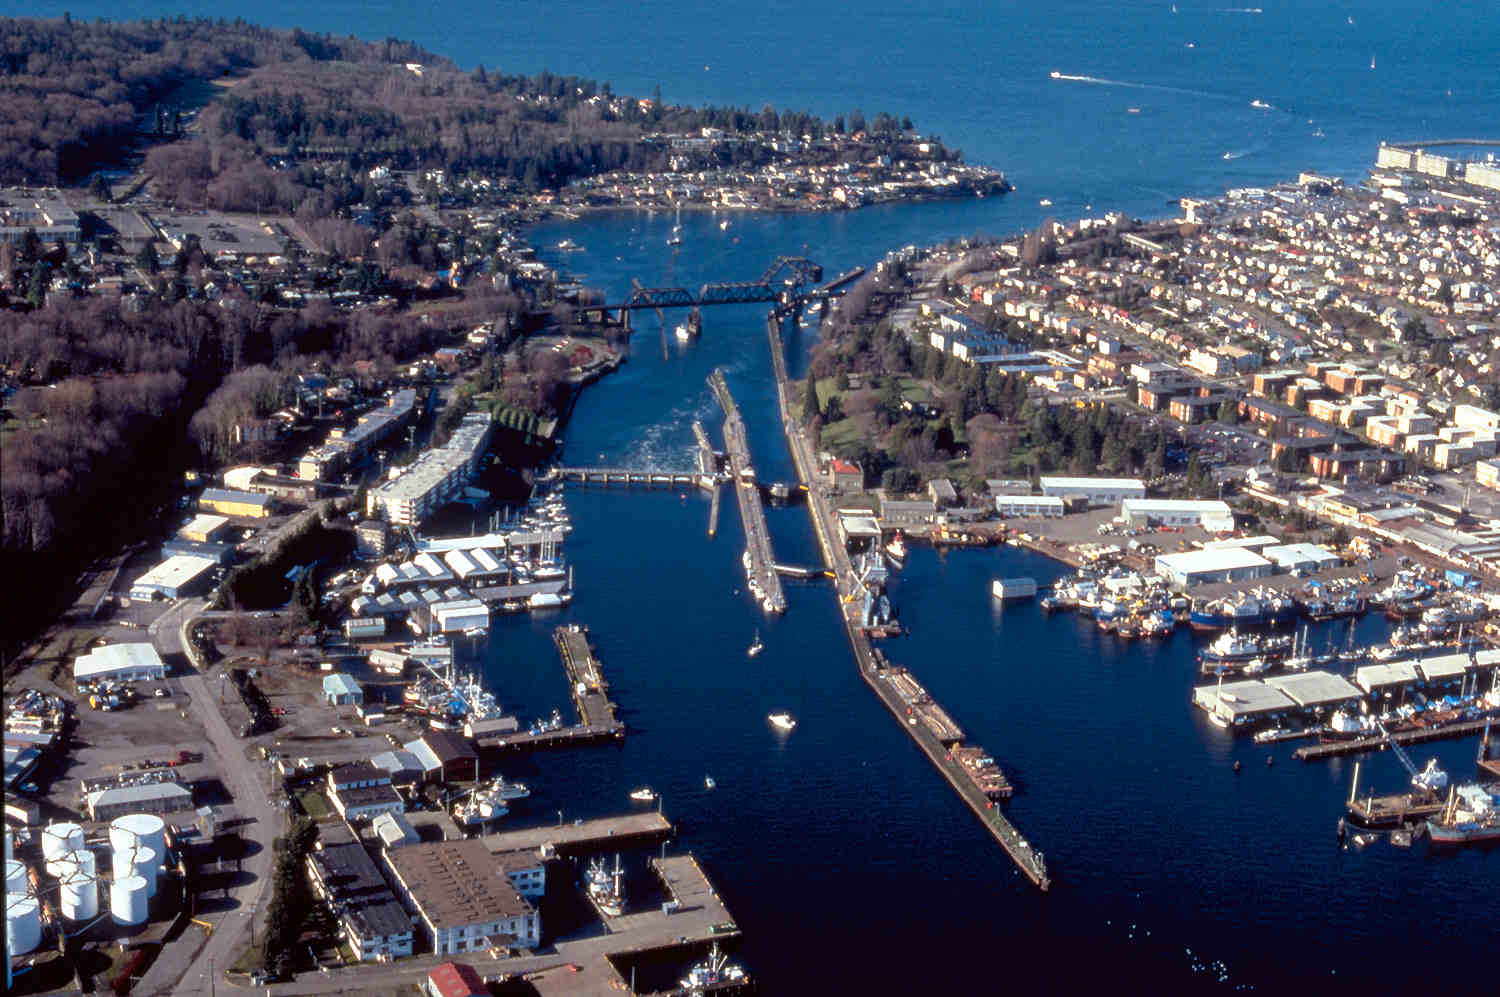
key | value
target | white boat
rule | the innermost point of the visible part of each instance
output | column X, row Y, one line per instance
column 896, row 549
column 713, row 973
column 724, row 225
column 755, row 646
column 782, row 721
column 708, row 782
column 684, row 334
column 568, row 245
column 605, row 889
column 643, row 795
column 1045, row 202
column 1217, row 720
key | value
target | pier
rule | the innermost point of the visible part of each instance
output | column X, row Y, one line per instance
column 1422, row 735
column 586, row 836
column 585, row 679
column 762, row 572
column 928, row 726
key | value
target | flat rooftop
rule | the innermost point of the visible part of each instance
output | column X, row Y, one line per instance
column 1444, row 667
column 1315, row 688
column 1372, row 677
column 457, row 883
column 1237, row 700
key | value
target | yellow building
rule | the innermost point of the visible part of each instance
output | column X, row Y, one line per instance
column 232, row 503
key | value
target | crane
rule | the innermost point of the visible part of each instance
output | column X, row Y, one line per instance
column 1432, row 779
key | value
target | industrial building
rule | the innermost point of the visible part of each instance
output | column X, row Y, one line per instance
column 177, row 577
column 42, row 211
column 146, row 798
column 445, row 756
column 119, row 663
column 454, row 979
column 1391, row 677
column 204, row 528
column 1046, row 506
column 464, row 901
column 363, row 791
column 340, row 689
column 370, row 918
column 434, row 478
column 235, row 503
column 1197, row 567
column 1212, row 515
column 1097, row 491
column 1304, row 557
column 1242, row 702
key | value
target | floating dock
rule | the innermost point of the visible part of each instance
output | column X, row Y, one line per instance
column 928, row 727
column 1333, row 749
column 585, row 836
column 585, row 678
column 752, row 514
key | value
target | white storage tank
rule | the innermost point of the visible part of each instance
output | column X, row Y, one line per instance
column 127, row 900
column 147, row 829
column 23, row 924
column 144, row 864
column 60, row 838
column 15, row 878
column 80, row 894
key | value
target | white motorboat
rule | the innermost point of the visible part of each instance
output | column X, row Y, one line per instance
column 782, row 721
column 643, row 795
column 708, row 782
column 755, row 646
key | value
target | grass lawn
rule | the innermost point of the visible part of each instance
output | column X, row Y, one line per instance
column 837, row 434
column 314, row 804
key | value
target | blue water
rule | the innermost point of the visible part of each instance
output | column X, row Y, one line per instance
column 846, row 859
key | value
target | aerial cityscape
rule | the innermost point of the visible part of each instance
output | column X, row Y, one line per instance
column 576, row 500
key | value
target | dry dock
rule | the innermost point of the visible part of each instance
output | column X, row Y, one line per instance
column 757, row 538
column 925, row 722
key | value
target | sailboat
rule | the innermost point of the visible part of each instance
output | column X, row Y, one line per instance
column 755, row 646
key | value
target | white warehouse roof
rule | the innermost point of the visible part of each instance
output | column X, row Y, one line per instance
column 1098, row 484
column 175, row 572
column 1372, row 677
column 1222, row 559
column 119, row 661
column 1153, row 506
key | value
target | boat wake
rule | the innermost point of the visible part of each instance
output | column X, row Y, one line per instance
column 1237, row 154
column 1240, row 10
column 1159, row 87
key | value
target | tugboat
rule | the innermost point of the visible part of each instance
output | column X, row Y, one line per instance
column 896, row 550
column 605, row 889
column 714, row 973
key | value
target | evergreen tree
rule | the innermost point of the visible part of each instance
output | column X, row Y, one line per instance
column 810, row 407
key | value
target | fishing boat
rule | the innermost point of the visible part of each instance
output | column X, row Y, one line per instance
column 643, row 795
column 782, row 721
column 896, row 550
column 1472, row 815
column 755, row 646
column 714, row 973
column 606, row 889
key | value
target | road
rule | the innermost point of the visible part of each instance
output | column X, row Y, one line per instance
column 246, row 783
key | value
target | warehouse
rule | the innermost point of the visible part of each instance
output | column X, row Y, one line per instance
column 119, row 663
column 463, row 900
column 370, row 919
column 1098, row 491
column 1316, row 690
column 149, row 798
column 234, row 503
column 1304, row 557
column 1211, row 515
column 1387, row 677
column 1197, row 567
column 204, row 528
column 1242, row 702
column 177, row 577
column 1047, row 506
column 340, row 689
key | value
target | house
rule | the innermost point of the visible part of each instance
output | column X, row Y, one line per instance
column 454, row 979
column 846, row 476
column 362, row 791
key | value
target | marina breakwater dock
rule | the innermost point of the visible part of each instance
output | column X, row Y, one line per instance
column 1423, row 735
column 761, row 568
column 586, row 680
column 968, row 769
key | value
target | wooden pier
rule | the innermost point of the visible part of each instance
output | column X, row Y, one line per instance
column 752, row 513
column 1333, row 749
column 586, row 680
column 927, row 729
column 585, row 836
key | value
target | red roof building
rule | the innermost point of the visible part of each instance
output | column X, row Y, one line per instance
column 455, row 979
